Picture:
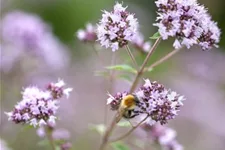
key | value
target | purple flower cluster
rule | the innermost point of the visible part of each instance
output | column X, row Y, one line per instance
column 188, row 22
column 116, row 28
column 87, row 35
column 38, row 107
column 164, row 136
column 159, row 103
column 114, row 101
column 25, row 34
column 23, row 30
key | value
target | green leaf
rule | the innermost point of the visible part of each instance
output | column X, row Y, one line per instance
column 120, row 146
column 149, row 69
column 122, row 67
column 28, row 127
column 58, row 148
column 43, row 143
column 100, row 128
column 124, row 124
column 155, row 36
column 101, row 73
column 124, row 77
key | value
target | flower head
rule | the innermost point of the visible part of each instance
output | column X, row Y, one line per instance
column 88, row 34
column 38, row 107
column 159, row 103
column 57, row 89
column 188, row 22
column 116, row 28
column 114, row 101
column 23, row 30
column 165, row 136
column 27, row 35
column 66, row 146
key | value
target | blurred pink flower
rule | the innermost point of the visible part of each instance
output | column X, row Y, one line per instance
column 139, row 43
column 3, row 145
column 164, row 136
column 28, row 36
column 23, row 30
column 88, row 34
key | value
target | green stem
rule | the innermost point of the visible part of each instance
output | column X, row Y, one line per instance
column 109, row 131
column 48, row 132
column 116, row 119
column 162, row 59
column 110, row 88
column 132, row 57
column 130, row 131
column 141, row 70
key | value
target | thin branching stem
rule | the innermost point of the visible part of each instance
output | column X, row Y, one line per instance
column 109, row 130
column 163, row 59
column 130, row 131
column 110, row 88
column 132, row 57
column 111, row 72
column 48, row 132
column 116, row 119
column 141, row 70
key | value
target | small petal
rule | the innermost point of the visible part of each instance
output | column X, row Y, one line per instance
column 110, row 99
column 67, row 92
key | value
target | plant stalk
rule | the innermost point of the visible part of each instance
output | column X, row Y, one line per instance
column 141, row 70
column 132, row 57
column 162, row 59
column 48, row 132
column 130, row 131
column 117, row 117
column 109, row 130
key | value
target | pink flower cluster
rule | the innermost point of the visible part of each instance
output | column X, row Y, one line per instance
column 88, row 34
column 164, row 136
column 154, row 100
column 188, row 22
column 27, row 35
column 116, row 28
column 38, row 107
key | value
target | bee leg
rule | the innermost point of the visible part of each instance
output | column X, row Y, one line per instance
column 132, row 116
column 129, row 115
column 130, row 123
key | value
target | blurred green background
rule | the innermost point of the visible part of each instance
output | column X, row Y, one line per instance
column 67, row 16
column 198, row 75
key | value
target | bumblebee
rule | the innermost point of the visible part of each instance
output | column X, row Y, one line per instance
column 128, row 105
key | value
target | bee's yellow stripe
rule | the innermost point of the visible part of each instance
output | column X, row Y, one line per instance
column 128, row 102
